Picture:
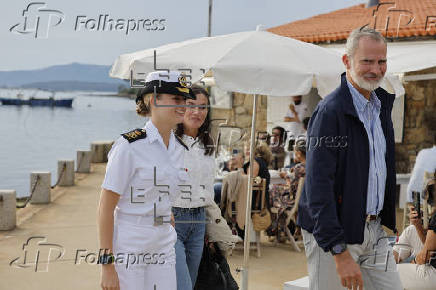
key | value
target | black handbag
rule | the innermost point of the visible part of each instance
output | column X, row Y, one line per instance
column 214, row 271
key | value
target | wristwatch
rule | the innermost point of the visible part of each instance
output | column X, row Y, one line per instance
column 338, row 249
column 106, row 259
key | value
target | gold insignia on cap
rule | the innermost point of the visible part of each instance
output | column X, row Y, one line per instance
column 183, row 90
column 182, row 81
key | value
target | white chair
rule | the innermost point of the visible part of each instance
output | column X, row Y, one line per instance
column 260, row 189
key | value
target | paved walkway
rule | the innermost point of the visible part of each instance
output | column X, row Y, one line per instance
column 68, row 225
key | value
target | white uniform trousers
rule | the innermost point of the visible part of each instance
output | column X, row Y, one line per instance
column 379, row 271
column 144, row 254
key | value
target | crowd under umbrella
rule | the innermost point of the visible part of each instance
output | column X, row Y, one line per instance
column 254, row 62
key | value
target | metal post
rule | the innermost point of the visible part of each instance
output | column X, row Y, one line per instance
column 244, row 283
column 210, row 19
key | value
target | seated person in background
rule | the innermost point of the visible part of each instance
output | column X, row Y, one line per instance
column 262, row 157
column 236, row 162
column 298, row 170
column 283, row 197
column 277, row 147
column 421, row 273
column 411, row 240
column 416, row 244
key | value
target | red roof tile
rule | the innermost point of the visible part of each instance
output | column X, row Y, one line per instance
column 394, row 19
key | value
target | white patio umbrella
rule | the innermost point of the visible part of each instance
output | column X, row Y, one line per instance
column 255, row 62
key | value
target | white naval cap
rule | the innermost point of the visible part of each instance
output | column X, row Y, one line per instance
column 166, row 82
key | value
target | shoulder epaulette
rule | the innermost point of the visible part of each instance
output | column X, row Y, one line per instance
column 181, row 142
column 135, row 135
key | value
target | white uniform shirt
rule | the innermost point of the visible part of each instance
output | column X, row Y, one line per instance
column 425, row 161
column 296, row 128
column 201, row 175
column 130, row 172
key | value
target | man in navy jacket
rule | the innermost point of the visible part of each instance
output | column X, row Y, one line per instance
column 349, row 192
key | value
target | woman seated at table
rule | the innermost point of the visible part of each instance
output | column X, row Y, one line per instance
column 262, row 158
column 282, row 197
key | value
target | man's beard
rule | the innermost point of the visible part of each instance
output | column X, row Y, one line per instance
column 362, row 83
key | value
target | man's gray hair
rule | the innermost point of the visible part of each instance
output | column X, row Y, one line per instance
column 356, row 34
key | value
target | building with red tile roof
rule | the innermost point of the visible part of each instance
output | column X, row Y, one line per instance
column 395, row 19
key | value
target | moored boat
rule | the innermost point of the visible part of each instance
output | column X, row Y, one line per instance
column 37, row 102
column 14, row 102
column 51, row 102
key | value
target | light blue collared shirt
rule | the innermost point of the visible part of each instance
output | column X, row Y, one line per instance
column 369, row 115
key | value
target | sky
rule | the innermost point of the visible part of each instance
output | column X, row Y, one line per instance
column 65, row 31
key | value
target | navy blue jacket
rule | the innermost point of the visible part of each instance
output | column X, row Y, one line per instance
column 333, row 201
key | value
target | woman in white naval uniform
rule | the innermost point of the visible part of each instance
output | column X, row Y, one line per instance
column 145, row 168
column 188, row 209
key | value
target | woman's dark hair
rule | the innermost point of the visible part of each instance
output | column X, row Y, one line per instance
column 282, row 134
column 300, row 145
column 204, row 130
column 262, row 150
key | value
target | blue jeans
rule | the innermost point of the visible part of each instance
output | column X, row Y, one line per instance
column 189, row 245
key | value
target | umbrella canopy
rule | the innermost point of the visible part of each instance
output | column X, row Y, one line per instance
column 255, row 62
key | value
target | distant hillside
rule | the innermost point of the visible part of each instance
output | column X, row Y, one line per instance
column 73, row 86
column 76, row 76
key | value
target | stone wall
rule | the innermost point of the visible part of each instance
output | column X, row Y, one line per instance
column 240, row 114
column 419, row 121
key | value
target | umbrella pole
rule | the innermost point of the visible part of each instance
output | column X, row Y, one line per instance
column 244, row 283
